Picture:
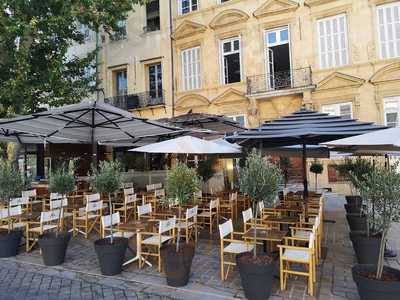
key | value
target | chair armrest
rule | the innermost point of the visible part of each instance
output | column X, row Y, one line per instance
column 295, row 248
column 301, row 228
column 235, row 241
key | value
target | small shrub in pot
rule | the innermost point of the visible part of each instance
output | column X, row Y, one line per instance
column 316, row 168
column 181, row 183
column 11, row 185
column 110, row 251
column 260, row 180
column 54, row 245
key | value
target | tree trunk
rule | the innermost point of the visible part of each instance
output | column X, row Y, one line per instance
column 255, row 228
column 111, row 219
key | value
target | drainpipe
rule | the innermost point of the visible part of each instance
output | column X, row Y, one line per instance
column 172, row 59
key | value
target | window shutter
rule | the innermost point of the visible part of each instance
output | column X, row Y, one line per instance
column 191, row 68
column 389, row 30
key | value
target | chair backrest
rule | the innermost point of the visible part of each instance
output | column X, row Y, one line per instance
column 160, row 193
column 51, row 215
column 261, row 205
column 93, row 197
column 198, row 194
column 311, row 240
column 214, row 203
column 94, row 206
column 29, row 193
column 130, row 198
column 191, row 212
column 126, row 185
column 14, row 211
column 225, row 228
column 106, row 221
column 129, row 191
column 144, row 209
column 167, row 225
column 233, row 196
column 58, row 203
column 54, row 196
column 19, row 201
column 247, row 215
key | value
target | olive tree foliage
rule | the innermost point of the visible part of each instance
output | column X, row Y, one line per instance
column 11, row 184
column 260, row 180
column 380, row 190
column 107, row 179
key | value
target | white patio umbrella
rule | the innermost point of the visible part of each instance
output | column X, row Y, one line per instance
column 188, row 145
column 377, row 142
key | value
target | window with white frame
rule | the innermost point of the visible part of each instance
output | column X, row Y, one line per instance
column 333, row 43
column 392, row 111
column 240, row 119
column 191, row 69
column 187, row 6
column 339, row 109
column 389, row 29
column 230, row 60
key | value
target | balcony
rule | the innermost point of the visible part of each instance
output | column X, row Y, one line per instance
column 280, row 83
column 137, row 101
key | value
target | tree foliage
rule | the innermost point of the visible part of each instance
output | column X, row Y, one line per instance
column 107, row 178
column 205, row 169
column 11, row 183
column 61, row 181
column 35, row 36
column 316, row 168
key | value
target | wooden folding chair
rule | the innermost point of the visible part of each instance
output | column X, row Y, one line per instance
column 209, row 215
column 48, row 222
column 227, row 207
column 289, row 255
column 144, row 211
column 155, row 240
column 67, row 214
column 248, row 220
column 115, row 220
column 230, row 246
column 86, row 219
column 20, row 201
column 127, row 208
column 189, row 224
column 12, row 218
column 32, row 196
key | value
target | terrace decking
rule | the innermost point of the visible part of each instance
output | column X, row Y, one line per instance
column 334, row 280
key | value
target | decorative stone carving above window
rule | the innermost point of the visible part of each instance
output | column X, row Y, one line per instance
column 317, row 2
column 386, row 74
column 339, row 80
column 274, row 7
column 188, row 28
column 228, row 17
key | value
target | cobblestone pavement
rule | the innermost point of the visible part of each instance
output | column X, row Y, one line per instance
column 82, row 275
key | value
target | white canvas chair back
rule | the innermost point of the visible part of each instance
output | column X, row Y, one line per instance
column 29, row 193
column 167, row 225
column 54, row 196
column 158, row 186
column 106, row 221
column 94, row 206
column 144, row 209
column 285, row 192
column 154, row 186
column 159, row 193
column 130, row 198
column 51, row 215
column 311, row 240
column 129, row 191
column 93, row 197
column 191, row 212
column 214, row 203
column 19, row 201
column 58, row 203
column 198, row 194
column 247, row 215
column 261, row 206
column 225, row 228
column 233, row 196
column 14, row 211
column 127, row 185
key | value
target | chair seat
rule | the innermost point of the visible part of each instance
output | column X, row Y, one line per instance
column 68, row 215
column 238, row 248
column 89, row 217
column 206, row 214
column 122, row 208
column 154, row 240
column 45, row 228
column 124, row 234
column 302, row 234
column 185, row 224
column 296, row 255
column 15, row 225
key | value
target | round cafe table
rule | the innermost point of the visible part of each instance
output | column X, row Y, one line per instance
column 136, row 226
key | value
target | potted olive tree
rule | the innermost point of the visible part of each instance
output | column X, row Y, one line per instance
column 11, row 185
column 110, row 251
column 54, row 244
column 316, row 168
column 181, row 183
column 206, row 171
column 260, row 180
column 381, row 190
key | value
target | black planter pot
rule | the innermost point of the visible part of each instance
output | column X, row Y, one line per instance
column 352, row 209
column 111, row 256
column 366, row 248
column 357, row 222
column 54, row 247
column 372, row 289
column 256, row 278
column 9, row 243
column 177, row 265
column 354, row 200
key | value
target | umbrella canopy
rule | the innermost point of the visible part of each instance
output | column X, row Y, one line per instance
column 313, row 151
column 188, row 145
column 382, row 141
column 304, row 127
column 217, row 123
column 7, row 135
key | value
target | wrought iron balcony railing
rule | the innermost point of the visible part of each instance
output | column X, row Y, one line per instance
column 290, row 79
column 140, row 100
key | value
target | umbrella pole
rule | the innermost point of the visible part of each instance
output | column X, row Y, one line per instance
column 94, row 144
column 305, row 183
